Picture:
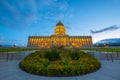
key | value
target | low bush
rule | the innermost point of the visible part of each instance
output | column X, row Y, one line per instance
column 52, row 55
column 59, row 63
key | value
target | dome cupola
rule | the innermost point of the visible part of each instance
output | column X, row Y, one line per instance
column 59, row 29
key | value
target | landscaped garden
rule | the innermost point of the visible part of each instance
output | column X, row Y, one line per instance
column 59, row 62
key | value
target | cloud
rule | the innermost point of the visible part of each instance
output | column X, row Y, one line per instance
column 2, row 40
column 46, row 2
column 10, row 8
column 34, row 11
column 23, row 14
column 114, row 27
column 68, row 25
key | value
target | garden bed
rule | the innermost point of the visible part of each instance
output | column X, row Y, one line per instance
column 59, row 63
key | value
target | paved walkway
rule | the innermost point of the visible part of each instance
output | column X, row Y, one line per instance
column 9, row 70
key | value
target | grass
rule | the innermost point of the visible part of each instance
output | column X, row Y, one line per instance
column 16, row 49
column 102, row 49
column 91, row 49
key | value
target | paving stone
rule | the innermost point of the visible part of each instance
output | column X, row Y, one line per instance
column 11, row 71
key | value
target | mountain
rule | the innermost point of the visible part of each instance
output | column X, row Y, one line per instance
column 112, row 42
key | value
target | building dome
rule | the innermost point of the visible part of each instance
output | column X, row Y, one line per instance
column 59, row 29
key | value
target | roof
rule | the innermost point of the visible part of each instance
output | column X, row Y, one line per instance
column 59, row 23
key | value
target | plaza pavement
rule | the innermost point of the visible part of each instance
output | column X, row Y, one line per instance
column 9, row 70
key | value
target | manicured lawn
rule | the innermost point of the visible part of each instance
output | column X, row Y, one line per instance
column 16, row 49
column 102, row 49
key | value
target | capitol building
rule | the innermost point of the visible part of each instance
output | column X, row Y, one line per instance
column 59, row 38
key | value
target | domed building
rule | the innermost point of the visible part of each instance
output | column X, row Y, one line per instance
column 59, row 38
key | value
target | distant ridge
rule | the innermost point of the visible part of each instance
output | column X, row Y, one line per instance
column 111, row 42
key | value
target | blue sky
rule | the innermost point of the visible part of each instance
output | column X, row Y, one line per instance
column 22, row 18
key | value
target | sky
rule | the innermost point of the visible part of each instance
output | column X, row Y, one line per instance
column 22, row 18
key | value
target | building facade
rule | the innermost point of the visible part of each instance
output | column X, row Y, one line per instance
column 59, row 38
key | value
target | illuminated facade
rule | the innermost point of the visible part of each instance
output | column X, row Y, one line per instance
column 59, row 38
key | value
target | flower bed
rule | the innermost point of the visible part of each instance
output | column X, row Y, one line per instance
column 59, row 63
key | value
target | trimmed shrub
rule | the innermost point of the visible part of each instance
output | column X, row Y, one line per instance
column 52, row 55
